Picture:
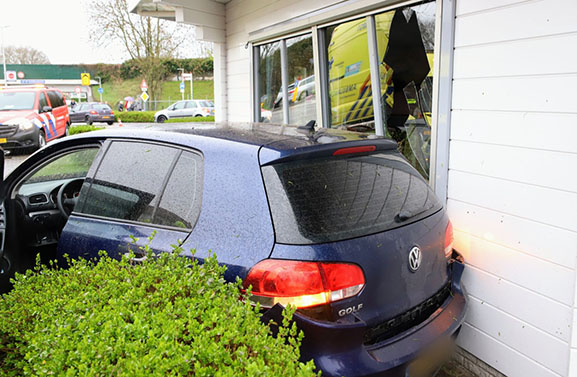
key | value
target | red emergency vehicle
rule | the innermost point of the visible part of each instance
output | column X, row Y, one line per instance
column 30, row 116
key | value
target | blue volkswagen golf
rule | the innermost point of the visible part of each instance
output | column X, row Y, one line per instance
column 336, row 223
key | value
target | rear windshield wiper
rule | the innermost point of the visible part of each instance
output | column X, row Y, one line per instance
column 406, row 215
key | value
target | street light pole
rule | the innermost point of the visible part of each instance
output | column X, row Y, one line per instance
column 99, row 87
column 182, row 81
column 4, row 56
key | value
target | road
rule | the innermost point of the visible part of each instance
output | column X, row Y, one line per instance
column 11, row 162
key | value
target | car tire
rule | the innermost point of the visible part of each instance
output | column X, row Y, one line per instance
column 161, row 119
column 110, row 123
column 67, row 130
column 89, row 120
column 41, row 139
column 198, row 115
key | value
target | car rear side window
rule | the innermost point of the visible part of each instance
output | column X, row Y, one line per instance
column 55, row 98
column 332, row 199
column 145, row 183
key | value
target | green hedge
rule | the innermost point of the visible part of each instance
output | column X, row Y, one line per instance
column 80, row 129
column 135, row 116
column 190, row 119
column 168, row 316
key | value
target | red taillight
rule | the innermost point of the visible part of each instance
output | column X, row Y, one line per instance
column 352, row 150
column 449, row 240
column 93, row 112
column 111, row 112
column 303, row 284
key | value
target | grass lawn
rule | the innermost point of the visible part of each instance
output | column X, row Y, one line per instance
column 114, row 91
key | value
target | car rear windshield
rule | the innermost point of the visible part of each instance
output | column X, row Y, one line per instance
column 17, row 100
column 102, row 107
column 332, row 199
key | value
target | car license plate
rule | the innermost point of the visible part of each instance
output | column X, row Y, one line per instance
column 3, row 141
column 432, row 358
column 106, row 117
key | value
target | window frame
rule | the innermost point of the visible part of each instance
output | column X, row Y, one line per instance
column 180, row 150
column 442, row 74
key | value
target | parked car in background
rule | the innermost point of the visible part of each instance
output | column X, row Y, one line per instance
column 90, row 112
column 30, row 116
column 332, row 222
column 304, row 88
column 183, row 109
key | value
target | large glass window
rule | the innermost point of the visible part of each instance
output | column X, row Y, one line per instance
column 406, row 40
column 270, row 83
column 302, row 96
column 349, row 76
column 397, row 44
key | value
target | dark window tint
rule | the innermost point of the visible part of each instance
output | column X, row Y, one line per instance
column 146, row 183
column 101, row 107
column 180, row 203
column 129, row 181
column 55, row 99
column 333, row 199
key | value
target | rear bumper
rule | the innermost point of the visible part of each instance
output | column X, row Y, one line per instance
column 339, row 350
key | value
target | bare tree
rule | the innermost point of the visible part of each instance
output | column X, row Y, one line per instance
column 25, row 55
column 146, row 40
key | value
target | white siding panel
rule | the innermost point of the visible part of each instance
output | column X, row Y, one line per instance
column 547, row 55
column 537, row 167
column 544, row 205
column 524, row 338
column 471, row 6
column 524, row 20
column 542, row 241
column 554, row 281
column 539, row 311
column 238, row 111
column 530, row 93
column 529, row 130
column 499, row 355
column 237, row 54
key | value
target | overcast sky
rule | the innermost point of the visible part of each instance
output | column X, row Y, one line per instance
column 59, row 28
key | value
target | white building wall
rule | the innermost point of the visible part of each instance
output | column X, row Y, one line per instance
column 512, row 190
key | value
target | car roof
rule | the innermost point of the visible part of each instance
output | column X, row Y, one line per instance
column 277, row 141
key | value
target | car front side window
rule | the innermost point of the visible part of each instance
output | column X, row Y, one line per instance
column 135, row 182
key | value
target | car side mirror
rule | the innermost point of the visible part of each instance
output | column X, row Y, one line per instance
column 46, row 109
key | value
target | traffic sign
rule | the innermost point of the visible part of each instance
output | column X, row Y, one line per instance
column 182, row 87
column 143, row 85
column 21, row 75
column 85, row 77
column 144, row 96
column 187, row 76
column 77, row 89
column 100, row 90
column 11, row 75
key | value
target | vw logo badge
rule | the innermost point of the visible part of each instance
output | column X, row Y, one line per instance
column 415, row 257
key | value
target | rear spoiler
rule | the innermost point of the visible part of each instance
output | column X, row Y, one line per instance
column 268, row 155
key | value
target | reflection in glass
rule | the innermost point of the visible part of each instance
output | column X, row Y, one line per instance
column 270, row 83
column 405, row 40
column 302, row 92
column 349, row 76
